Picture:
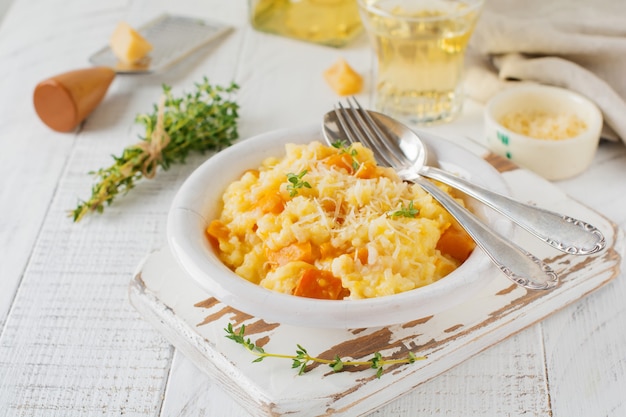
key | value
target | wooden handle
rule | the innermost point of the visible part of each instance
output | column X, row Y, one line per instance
column 62, row 102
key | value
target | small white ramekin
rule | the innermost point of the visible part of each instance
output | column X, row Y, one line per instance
column 552, row 159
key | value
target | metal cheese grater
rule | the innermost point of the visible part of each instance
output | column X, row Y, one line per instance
column 62, row 102
column 173, row 38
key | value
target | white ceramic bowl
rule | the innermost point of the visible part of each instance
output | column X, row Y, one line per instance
column 199, row 201
column 552, row 159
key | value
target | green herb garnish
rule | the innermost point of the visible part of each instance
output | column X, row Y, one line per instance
column 302, row 358
column 343, row 146
column 408, row 211
column 340, row 144
column 296, row 182
column 200, row 121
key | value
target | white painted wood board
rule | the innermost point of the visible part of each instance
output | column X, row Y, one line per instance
column 194, row 322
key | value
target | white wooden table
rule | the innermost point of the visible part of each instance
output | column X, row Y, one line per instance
column 70, row 342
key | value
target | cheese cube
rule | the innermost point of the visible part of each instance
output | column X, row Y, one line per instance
column 128, row 45
column 343, row 79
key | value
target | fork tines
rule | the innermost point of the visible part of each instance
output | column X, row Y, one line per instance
column 359, row 126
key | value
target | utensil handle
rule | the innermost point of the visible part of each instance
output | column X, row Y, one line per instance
column 562, row 232
column 518, row 265
column 62, row 102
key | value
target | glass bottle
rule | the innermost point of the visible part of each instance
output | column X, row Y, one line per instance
column 326, row 22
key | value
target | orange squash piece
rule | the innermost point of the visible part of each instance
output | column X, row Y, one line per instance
column 299, row 251
column 366, row 170
column 456, row 243
column 340, row 161
column 362, row 254
column 271, row 203
column 218, row 230
column 316, row 283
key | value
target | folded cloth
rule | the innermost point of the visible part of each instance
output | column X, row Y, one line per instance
column 575, row 44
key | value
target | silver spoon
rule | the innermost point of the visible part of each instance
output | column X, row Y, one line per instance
column 515, row 263
column 409, row 154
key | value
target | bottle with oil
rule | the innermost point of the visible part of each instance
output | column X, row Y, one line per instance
column 326, row 22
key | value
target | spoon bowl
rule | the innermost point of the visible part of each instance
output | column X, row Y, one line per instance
column 405, row 139
column 520, row 266
column 409, row 155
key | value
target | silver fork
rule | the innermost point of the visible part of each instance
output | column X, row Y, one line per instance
column 565, row 233
column 517, row 264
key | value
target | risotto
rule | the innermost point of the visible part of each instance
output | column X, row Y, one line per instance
column 327, row 222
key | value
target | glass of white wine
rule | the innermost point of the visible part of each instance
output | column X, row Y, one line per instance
column 420, row 47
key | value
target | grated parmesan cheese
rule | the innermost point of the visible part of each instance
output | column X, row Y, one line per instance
column 544, row 125
column 344, row 221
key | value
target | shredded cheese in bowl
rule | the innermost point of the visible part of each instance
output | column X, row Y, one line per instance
column 325, row 222
column 544, row 125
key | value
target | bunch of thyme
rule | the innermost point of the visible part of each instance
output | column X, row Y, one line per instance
column 196, row 122
column 302, row 358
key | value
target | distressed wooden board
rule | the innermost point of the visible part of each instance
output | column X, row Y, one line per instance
column 194, row 321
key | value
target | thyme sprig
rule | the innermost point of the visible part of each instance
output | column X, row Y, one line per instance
column 409, row 211
column 296, row 182
column 302, row 359
column 195, row 122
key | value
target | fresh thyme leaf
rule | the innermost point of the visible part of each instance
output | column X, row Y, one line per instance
column 295, row 182
column 196, row 122
column 302, row 358
column 302, row 369
column 376, row 360
column 339, row 144
column 337, row 364
column 355, row 165
column 409, row 211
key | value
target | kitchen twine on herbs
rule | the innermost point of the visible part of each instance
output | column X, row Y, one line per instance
column 154, row 147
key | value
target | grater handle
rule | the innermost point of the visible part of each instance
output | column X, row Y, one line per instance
column 62, row 102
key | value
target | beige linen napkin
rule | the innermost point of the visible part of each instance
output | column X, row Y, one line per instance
column 575, row 44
